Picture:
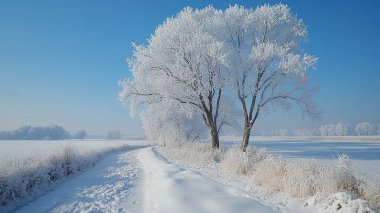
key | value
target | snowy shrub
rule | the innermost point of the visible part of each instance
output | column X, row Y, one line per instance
column 236, row 162
column 193, row 154
column 303, row 179
column 270, row 173
column 370, row 189
column 344, row 176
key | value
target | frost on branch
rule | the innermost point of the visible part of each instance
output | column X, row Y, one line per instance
column 266, row 66
column 181, row 66
column 203, row 58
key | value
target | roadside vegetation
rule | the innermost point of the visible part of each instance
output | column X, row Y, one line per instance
column 332, row 187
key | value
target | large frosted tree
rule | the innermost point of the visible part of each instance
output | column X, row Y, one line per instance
column 182, row 63
column 267, row 67
column 192, row 58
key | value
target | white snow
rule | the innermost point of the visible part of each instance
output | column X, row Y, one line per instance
column 116, row 184
column 338, row 202
column 139, row 179
column 169, row 188
column 107, row 187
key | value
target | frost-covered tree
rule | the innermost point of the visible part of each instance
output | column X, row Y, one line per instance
column 181, row 63
column 192, row 57
column 167, row 125
column 339, row 129
column 327, row 130
column 342, row 129
column 267, row 67
column 365, row 128
column 304, row 132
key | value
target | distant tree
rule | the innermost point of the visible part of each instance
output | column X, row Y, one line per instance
column 114, row 135
column 365, row 128
column 304, row 132
column 36, row 133
column 342, row 129
column 327, row 130
column 81, row 134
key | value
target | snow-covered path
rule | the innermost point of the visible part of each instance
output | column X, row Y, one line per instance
column 168, row 188
column 107, row 187
column 140, row 180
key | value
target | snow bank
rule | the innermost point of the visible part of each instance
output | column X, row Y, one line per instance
column 276, row 174
column 338, row 202
column 29, row 176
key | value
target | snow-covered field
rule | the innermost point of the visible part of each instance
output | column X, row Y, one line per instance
column 21, row 149
column 364, row 154
column 138, row 179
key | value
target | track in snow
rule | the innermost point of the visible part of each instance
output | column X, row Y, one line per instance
column 140, row 180
column 107, row 187
column 169, row 188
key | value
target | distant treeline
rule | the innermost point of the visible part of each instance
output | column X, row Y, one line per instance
column 338, row 129
column 53, row 132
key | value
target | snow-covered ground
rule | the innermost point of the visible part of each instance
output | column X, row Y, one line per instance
column 139, row 179
column 169, row 188
column 29, row 168
column 106, row 187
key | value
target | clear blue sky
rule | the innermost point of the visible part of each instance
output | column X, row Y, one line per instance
column 60, row 61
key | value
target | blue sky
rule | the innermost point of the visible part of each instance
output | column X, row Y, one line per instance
column 60, row 61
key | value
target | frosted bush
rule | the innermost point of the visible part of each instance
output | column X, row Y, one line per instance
column 304, row 179
column 300, row 179
column 370, row 189
column 344, row 176
column 193, row 154
column 236, row 162
column 271, row 172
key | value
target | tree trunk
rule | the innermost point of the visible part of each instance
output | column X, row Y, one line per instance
column 214, row 137
column 246, row 135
